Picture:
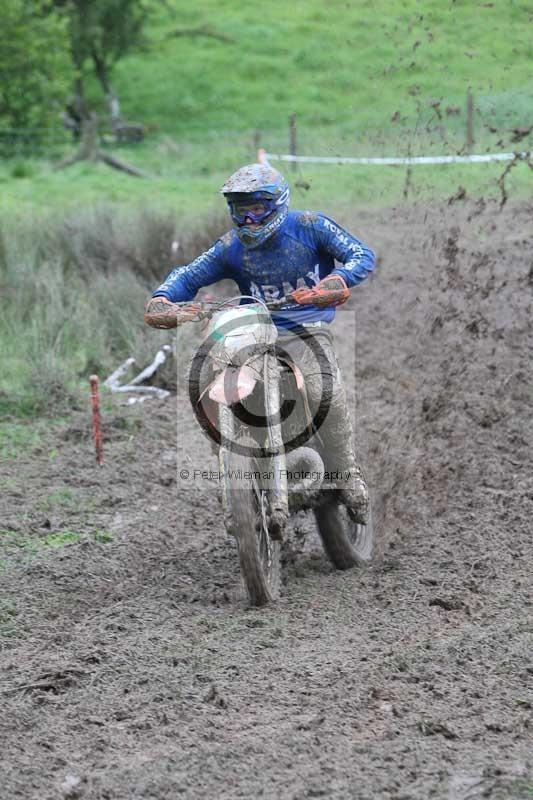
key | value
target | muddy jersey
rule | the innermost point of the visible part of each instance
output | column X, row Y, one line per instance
column 302, row 252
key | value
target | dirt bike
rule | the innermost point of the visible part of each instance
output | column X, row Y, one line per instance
column 262, row 480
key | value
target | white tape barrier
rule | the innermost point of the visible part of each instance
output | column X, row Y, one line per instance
column 264, row 157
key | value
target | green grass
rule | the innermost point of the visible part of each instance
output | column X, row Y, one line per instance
column 76, row 289
column 18, row 437
column 189, row 186
column 62, row 498
column 8, row 614
column 346, row 69
column 12, row 541
column 363, row 79
column 16, row 546
column 346, row 66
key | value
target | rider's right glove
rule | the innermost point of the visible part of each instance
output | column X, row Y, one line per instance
column 161, row 313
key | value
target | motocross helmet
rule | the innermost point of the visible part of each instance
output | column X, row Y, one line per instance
column 259, row 194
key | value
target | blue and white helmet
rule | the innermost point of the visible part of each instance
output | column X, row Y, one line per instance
column 262, row 185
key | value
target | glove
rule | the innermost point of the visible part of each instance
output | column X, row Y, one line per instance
column 330, row 291
column 161, row 313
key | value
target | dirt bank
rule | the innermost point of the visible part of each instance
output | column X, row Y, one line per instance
column 128, row 669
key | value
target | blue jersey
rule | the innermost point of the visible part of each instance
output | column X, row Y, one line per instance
column 302, row 252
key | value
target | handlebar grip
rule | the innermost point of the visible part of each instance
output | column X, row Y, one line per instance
column 162, row 314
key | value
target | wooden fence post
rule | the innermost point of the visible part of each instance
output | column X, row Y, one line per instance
column 256, row 141
column 469, row 121
column 408, row 174
column 292, row 138
column 97, row 430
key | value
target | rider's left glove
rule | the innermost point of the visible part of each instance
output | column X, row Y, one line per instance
column 161, row 313
column 330, row 291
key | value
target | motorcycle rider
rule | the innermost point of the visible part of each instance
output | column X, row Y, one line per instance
column 272, row 253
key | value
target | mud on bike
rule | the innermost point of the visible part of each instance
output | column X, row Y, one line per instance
column 269, row 468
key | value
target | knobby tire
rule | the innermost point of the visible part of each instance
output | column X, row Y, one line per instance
column 259, row 555
column 347, row 543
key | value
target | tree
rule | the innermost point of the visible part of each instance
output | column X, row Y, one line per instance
column 35, row 69
column 101, row 33
column 90, row 151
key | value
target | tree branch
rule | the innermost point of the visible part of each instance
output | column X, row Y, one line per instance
column 102, row 72
column 114, row 162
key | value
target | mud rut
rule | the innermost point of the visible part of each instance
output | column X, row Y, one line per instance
column 128, row 671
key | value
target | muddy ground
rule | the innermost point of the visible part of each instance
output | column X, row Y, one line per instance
column 129, row 669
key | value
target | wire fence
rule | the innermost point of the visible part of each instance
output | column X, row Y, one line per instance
column 33, row 142
column 448, row 137
column 51, row 143
column 440, row 130
column 454, row 137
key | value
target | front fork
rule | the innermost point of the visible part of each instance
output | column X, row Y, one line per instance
column 271, row 465
column 278, row 491
column 226, row 426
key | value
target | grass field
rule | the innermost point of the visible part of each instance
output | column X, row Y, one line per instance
column 189, row 186
column 346, row 66
column 362, row 77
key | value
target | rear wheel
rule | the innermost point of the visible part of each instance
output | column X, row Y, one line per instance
column 347, row 544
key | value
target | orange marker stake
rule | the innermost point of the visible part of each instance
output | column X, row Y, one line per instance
column 97, row 431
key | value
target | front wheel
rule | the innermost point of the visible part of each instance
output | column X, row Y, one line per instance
column 347, row 544
column 246, row 519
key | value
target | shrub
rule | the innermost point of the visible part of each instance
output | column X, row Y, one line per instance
column 22, row 169
column 75, row 291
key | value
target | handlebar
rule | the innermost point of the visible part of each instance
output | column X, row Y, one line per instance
column 206, row 308
column 168, row 316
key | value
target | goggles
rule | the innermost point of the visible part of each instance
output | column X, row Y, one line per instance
column 256, row 211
